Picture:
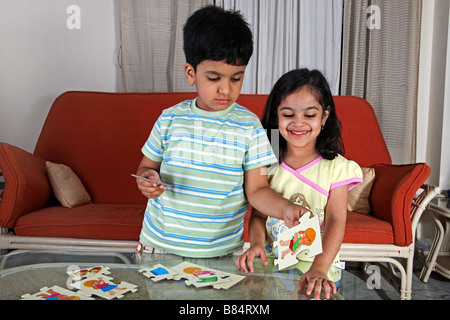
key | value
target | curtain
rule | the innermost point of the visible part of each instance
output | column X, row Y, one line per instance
column 152, row 57
column 291, row 34
column 381, row 45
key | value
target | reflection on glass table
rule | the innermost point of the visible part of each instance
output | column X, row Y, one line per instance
column 28, row 271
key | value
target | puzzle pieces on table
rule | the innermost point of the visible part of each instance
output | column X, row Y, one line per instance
column 102, row 286
column 158, row 272
column 303, row 240
column 55, row 293
column 200, row 276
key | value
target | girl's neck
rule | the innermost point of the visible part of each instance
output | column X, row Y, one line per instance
column 298, row 158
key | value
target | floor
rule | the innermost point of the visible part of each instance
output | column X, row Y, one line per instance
column 437, row 287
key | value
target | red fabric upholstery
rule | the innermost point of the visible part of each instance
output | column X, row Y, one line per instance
column 363, row 228
column 92, row 221
column 26, row 184
column 392, row 194
column 100, row 135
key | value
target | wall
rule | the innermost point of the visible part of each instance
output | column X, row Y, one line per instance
column 433, row 145
column 49, row 47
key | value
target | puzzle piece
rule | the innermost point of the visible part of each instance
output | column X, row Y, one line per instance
column 102, row 286
column 200, row 276
column 158, row 272
column 304, row 239
column 55, row 293
column 233, row 279
column 77, row 274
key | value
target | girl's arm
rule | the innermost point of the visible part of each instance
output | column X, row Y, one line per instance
column 269, row 202
column 332, row 237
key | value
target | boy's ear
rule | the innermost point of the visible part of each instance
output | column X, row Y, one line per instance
column 190, row 73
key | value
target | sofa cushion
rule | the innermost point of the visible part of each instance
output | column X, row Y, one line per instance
column 67, row 187
column 91, row 221
column 363, row 228
column 358, row 197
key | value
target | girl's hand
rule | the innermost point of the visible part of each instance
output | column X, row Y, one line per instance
column 317, row 281
column 150, row 190
column 246, row 259
column 293, row 213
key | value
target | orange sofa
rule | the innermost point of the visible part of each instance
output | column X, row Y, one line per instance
column 99, row 136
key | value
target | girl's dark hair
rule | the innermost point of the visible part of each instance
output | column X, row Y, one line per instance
column 329, row 142
column 212, row 33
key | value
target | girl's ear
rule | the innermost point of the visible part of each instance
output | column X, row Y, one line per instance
column 326, row 113
column 190, row 73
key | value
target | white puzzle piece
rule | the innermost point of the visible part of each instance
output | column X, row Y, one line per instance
column 233, row 279
column 78, row 274
column 55, row 293
column 200, row 276
column 158, row 272
column 102, row 286
column 304, row 239
column 197, row 275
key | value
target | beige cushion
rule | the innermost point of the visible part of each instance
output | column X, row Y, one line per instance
column 358, row 197
column 67, row 187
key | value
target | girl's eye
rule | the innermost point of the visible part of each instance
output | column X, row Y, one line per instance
column 310, row 116
column 287, row 115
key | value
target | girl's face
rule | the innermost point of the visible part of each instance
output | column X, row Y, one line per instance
column 300, row 120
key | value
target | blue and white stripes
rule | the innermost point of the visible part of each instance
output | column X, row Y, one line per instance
column 203, row 156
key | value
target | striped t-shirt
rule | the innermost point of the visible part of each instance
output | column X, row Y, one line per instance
column 203, row 157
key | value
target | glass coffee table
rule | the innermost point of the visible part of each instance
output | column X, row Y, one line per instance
column 25, row 272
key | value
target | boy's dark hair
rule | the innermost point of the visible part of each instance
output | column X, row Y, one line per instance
column 212, row 33
column 329, row 142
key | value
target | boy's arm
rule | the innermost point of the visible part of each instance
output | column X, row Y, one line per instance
column 149, row 169
column 257, row 233
column 269, row 202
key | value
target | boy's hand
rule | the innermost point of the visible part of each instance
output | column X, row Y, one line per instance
column 150, row 189
column 246, row 259
column 293, row 213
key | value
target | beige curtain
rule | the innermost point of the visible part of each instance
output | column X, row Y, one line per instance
column 291, row 34
column 381, row 43
column 152, row 57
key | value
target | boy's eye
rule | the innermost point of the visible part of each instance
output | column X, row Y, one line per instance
column 213, row 79
column 235, row 79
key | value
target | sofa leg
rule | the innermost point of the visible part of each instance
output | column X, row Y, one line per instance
column 3, row 231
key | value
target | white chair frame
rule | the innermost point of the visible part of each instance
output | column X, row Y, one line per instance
column 389, row 256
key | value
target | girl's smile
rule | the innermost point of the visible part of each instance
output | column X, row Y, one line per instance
column 300, row 120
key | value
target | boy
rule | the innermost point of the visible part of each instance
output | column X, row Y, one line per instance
column 205, row 149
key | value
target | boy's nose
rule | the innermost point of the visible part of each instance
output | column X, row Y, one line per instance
column 224, row 87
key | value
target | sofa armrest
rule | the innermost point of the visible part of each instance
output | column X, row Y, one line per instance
column 27, row 187
column 392, row 196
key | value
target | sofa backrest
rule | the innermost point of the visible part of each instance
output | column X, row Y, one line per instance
column 100, row 136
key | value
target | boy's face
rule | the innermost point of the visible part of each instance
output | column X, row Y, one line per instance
column 218, row 83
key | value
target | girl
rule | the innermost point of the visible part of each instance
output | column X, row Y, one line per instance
column 311, row 169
